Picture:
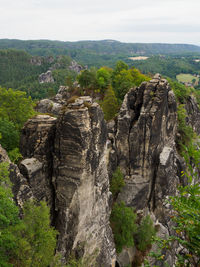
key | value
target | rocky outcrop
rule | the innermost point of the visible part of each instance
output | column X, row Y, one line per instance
column 53, row 106
column 81, row 182
column 21, row 188
column 76, row 67
column 46, row 77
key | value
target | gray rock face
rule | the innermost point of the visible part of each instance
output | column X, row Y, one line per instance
column 53, row 106
column 21, row 188
column 46, row 77
column 37, row 145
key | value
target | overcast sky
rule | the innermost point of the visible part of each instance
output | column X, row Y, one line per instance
column 163, row 21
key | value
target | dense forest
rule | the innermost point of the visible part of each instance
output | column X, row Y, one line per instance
column 98, row 53
column 19, row 70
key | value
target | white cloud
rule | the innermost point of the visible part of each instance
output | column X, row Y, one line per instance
column 129, row 20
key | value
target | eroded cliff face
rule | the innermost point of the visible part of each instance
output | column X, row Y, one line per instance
column 67, row 160
column 144, row 144
column 81, row 182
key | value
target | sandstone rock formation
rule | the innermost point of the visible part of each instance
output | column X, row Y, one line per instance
column 65, row 164
column 46, row 77
column 53, row 106
column 68, row 161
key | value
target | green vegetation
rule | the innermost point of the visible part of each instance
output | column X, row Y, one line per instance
column 186, row 217
column 9, row 135
column 168, row 65
column 127, row 232
column 117, row 182
column 29, row 241
column 185, row 131
column 145, row 233
column 123, row 79
column 123, row 225
column 15, row 109
column 109, row 85
column 15, row 106
column 109, row 104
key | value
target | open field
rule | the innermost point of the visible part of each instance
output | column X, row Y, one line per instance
column 186, row 78
column 138, row 58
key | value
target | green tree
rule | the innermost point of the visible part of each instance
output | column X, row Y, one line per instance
column 15, row 106
column 123, row 79
column 36, row 240
column 9, row 135
column 103, row 78
column 28, row 242
column 87, row 79
column 120, row 65
column 8, row 217
column 109, row 104
column 123, row 225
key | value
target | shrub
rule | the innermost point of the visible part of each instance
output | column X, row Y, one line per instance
column 185, row 131
column 181, row 91
column 123, row 225
column 117, row 182
column 145, row 233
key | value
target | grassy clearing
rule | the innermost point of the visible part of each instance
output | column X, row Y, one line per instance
column 186, row 78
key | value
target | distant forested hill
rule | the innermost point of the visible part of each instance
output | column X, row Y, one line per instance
column 20, row 70
column 98, row 53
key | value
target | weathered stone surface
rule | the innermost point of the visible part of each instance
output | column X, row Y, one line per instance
column 81, row 183
column 32, row 169
column 46, row 77
column 48, row 106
